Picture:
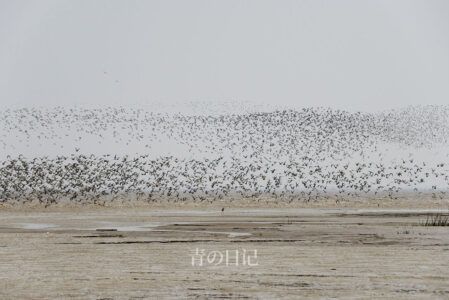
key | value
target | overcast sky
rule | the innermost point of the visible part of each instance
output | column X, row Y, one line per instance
column 359, row 55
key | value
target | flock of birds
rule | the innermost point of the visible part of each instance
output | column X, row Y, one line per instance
column 112, row 154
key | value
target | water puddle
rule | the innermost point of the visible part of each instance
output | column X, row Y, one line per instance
column 36, row 226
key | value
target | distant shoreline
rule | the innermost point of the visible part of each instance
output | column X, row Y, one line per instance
column 411, row 202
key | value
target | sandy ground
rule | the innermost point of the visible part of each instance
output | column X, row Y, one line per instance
column 146, row 253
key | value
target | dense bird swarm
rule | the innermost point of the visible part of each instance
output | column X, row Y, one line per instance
column 122, row 154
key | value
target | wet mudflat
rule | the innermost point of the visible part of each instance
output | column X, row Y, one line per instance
column 146, row 253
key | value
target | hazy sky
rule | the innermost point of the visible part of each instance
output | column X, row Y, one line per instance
column 361, row 55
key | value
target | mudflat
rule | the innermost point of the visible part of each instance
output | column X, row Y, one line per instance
column 192, row 253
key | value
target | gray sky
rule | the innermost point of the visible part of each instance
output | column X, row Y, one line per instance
column 360, row 55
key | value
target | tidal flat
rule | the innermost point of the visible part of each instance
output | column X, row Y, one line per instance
column 288, row 253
